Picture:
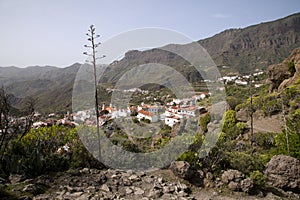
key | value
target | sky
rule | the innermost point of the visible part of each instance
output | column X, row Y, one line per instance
column 52, row 32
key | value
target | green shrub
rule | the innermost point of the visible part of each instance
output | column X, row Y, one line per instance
column 291, row 67
column 244, row 162
column 264, row 140
column 190, row 157
column 203, row 122
column 229, row 120
column 258, row 178
column 293, row 134
column 36, row 153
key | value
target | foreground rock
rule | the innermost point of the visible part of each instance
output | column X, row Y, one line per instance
column 182, row 169
column 236, row 181
column 116, row 184
column 284, row 172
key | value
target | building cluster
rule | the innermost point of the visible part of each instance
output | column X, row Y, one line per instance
column 170, row 114
column 240, row 80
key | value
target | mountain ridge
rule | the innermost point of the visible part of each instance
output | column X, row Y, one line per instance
column 244, row 50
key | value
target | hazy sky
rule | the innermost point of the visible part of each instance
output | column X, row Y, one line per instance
column 52, row 32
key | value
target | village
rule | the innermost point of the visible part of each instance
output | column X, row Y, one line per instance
column 169, row 113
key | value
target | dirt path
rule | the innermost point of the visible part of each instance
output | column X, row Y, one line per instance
column 267, row 124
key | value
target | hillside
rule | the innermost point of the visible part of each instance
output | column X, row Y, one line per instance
column 255, row 47
column 51, row 86
column 244, row 50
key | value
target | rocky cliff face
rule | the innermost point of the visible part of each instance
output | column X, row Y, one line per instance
column 257, row 46
column 286, row 73
column 244, row 50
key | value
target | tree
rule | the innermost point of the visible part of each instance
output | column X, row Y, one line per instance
column 10, row 127
column 288, row 141
column 4, row 119
column 91, row 38
column 29, row 113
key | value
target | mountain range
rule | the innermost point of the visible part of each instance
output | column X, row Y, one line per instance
column 240, row 50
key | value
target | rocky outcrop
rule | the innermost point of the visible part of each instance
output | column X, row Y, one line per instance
column 116, row 184
column 236, row 181
column 293, row 59
column 100, row 184
column 182, row 169
column 256, row 46
column 284, row 172
column 280, row 76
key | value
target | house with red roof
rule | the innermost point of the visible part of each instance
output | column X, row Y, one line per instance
column 143, row 114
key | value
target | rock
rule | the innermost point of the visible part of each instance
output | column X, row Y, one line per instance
column 284, row 172
column 43, row 197
column 208, row 183
column 105, row 188
column 44, row 180
column 95, row 171
column 276, row 74
column 182, row 169
column 209, row 176
column 16, row 178
column 246, row 185
column 75, row 195
column 24, row 198
column 155, row 194
column 85, row 171
column 138, row 191
column 128, row 190
column 234, row 186
column 279, row 75
column 272, row 196
column 171, row 188
column 242, row 115
column 32, row 189
column 232, row 175
column 134, row 178
column 101, row 179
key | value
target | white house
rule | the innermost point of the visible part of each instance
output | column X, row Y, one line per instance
column 147, row 115
column 171, row 120
column 119, row 113
column 239, row 82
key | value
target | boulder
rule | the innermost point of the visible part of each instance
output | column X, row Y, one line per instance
column 276, row 74
column 234, row 186
column 246, row 185
column 182, row 169
column 232, row 175
column 236, row 182
column 16, row 178
column 242, row 115
column 284, row 172
column 279, row 75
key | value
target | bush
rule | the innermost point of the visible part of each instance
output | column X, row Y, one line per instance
column 264, row 140
column 229, row 120
column 203, row 122
column 244, row 162
column 293, row 127
column 190, row 157
column 291, row 67
column 258, row 178
column 36, row 153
